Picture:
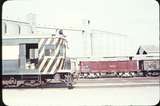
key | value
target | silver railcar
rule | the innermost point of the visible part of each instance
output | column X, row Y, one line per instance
column 32, row 59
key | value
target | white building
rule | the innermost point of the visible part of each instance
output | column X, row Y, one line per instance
column 82, row 42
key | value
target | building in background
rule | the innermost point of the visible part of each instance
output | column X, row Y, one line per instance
column 148, row 50
column 83, row 42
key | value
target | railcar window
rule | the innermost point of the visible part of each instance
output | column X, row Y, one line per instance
column 32, row 53
column 19, row 29
column 49, row 50
column 26, row 29
column 12, row 28
column 4, row 28
column 62, row 50
column 67, row 64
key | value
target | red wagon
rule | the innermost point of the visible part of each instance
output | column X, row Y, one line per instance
column 122, row 66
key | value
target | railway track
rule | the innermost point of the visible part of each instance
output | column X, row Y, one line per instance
column 100, row 82
column 132, row 79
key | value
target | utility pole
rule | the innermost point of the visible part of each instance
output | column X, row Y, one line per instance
column 87, row 39
column 91, row 38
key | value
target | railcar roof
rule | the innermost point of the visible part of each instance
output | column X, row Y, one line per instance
column 32, row 36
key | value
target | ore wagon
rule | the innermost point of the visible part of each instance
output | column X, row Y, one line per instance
column 109, row 67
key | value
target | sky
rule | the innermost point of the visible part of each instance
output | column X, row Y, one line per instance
column 138, row 19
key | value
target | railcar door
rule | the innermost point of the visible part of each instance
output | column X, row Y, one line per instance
column 28, row 55
column 22, row 56
column 141, row 65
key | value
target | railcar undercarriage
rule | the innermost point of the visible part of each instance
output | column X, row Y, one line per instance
column 88, row 75
column 39, row 81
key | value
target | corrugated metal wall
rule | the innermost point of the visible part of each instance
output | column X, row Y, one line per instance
column 103, row 45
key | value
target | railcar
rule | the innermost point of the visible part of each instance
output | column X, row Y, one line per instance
column 33, row 59
column 117, row 68
column 114, row 67
column 150, row 67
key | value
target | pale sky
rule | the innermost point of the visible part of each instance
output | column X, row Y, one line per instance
column 138, row 19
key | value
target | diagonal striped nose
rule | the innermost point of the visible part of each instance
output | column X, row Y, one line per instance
column 49, row 64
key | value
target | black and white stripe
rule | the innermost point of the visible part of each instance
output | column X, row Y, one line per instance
column 54, row 60
column 50, row 64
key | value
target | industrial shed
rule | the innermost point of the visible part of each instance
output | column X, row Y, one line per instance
column 148, row 50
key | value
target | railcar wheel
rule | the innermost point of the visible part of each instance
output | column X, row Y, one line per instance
column 20, row 83
column 145, row 74
column 43, row 83
column 12, row 82
column 70, row 86
column 69, row 81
